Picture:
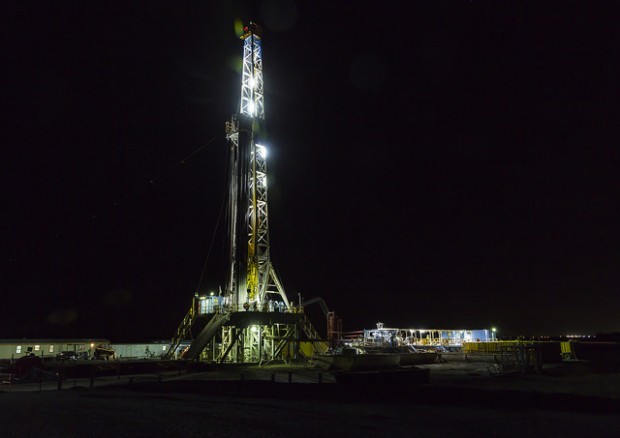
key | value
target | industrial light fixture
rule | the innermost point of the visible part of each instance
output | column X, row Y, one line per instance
column 262, row 150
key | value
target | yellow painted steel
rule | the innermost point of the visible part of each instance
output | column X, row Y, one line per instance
column 310, row 349
column 252, row 280
column 566, row 350
column 551, row 351
column 489, row 347
column 566, row 347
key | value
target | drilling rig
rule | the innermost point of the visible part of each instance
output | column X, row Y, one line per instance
column 251, row 320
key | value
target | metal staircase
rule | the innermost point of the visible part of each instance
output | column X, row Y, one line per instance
column 312, row 334
column 182, row 331
column 206, row 334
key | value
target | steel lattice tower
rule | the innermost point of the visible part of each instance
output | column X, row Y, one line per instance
column 252, row 276
column 252, row 321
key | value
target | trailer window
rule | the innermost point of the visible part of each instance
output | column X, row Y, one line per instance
column 18, row 349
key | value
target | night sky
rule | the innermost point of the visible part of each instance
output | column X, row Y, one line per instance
column 431, row 164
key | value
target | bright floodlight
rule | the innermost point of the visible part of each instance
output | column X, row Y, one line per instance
column 251, row 82
column 262, row 150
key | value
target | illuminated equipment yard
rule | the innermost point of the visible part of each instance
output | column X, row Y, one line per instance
column 252, row 320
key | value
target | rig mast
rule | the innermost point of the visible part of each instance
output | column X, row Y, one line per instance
column 252, row 276
column 253, row 320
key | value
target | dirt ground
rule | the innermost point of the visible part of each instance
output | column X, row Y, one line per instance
column 467, row 399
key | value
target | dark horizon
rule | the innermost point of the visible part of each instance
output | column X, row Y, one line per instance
column 440, row 165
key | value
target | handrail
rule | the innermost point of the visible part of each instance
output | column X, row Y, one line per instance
column 181, row 332
column 311, row 333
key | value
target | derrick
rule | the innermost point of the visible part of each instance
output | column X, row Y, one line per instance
column 252, row 320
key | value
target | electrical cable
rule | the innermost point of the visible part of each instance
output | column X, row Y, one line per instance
column 204, row 266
